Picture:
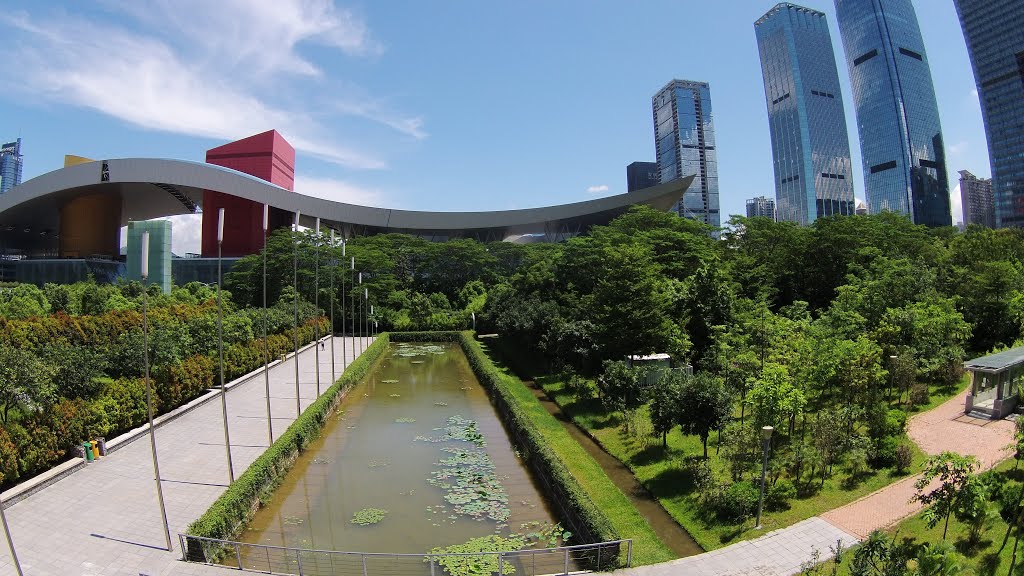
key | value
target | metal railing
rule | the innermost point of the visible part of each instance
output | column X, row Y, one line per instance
column 306, row 562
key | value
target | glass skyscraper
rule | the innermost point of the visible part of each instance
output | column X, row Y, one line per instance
column 10, row 165
column 995, row 42
column 810, row 146
column 897, row 117
column 684, row 137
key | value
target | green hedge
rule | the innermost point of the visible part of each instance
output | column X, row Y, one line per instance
column 432, row 336
column 226, row 518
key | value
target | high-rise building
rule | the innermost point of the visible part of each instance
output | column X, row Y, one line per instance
column 684, row 137
column 159, row 252
column 995, row 43
column 810, row 147
column 10, row 165
column 640, row 175
column 897, row 117
column 976, row 200
column 761, row 206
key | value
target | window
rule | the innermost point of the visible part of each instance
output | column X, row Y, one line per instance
column 865, row 57
column 928, row 163
column 883, row 167
column 911, row 53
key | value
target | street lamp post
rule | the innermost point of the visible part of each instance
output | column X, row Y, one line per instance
column 333, row 265
column 892, row 379
column 344, row 346
column 266, row 346
column 360, row 338
column 353, row 302
column 149, row 403
column 373, row 328
column 220, row 347
column 295, row 332
column 766, row 438
column 316, row 304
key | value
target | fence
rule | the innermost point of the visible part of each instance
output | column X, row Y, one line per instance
column 303, row 562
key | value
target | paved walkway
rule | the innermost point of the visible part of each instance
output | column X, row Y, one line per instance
column 104, row 519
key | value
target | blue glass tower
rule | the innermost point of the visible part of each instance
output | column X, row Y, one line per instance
column 684, row 137
column 995, row 43
column 897, row 117
column 10, row 165
column 810, row 146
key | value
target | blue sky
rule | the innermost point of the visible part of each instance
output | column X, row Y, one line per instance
column 457, row 105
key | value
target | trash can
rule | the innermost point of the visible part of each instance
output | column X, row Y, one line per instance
column 103, row 446
column 95, row 447
column 79, row 452
column 88, row 451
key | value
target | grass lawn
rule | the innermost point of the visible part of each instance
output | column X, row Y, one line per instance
column 982, row 557
column 647, row 547
column 664, row 473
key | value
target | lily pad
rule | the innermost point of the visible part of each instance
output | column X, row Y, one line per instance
column 368, row 516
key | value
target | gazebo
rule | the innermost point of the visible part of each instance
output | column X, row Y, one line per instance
column 994, row 382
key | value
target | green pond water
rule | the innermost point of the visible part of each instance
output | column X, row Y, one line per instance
column 419, row 439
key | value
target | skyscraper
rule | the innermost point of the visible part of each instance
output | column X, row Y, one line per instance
column 995, row 43
column 810, row 147
column 10, row 165
column 976, row 199
column 684, row 137
column 640, row 175
column 897, row 117
column 761, row 206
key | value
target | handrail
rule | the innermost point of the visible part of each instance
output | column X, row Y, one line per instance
column 579, row 557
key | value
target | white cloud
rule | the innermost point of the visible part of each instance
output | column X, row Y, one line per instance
column 959, row 148
column 223, row 76
column 339, row 191
column 186, row 233
column 956, row 206
column 597, row 189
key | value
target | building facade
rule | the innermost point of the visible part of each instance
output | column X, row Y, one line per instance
column 159, row 252
column 684, row 136
column 810, row 146
column 897, row 116
column 761, row 206
column 10, row 165
column 640, row 175
column 977, row 201
column 995, row 43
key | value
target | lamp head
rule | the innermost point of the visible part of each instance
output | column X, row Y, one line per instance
column 766, row 433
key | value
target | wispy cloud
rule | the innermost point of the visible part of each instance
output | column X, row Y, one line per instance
column 597, row 189
column 959, row 148
column 231, row 73
column 339, row 191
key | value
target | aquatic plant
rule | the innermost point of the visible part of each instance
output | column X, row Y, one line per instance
column 404, row 420
column 368, row 516
column 482, row 565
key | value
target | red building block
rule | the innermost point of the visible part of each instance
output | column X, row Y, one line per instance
column 268, row 156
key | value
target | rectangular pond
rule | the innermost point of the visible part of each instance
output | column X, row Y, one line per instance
column 416, row 457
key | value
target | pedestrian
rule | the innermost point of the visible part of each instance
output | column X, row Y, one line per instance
column 321, row 344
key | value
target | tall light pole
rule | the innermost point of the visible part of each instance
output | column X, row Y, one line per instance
column 295, row 333
column 220, row 347
column 316, row 304
column 366, row 316
column 353, row 299
column 334, row 263
column 266, row 346
column 361, row 343
column 766, row 438
column 373, row 328
column 149, row 404
column 344, row 347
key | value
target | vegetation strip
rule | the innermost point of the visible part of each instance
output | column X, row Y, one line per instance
column 230, row 513
column 578, row 482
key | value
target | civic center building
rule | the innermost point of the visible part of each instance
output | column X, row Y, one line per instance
column 64, row 225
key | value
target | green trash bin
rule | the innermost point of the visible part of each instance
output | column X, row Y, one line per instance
column 88, row 451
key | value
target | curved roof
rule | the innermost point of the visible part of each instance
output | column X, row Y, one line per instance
column 152, row 188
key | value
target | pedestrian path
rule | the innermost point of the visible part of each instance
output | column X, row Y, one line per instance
column 104, row 519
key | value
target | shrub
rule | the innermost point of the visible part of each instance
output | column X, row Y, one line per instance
column 919, row 394
column 739, row 502
column 777, row 496
column 883, row 453
column 121, row 406
column 904, row 457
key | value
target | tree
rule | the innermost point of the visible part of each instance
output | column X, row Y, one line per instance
column 25, row 381
column 955, row 474
column 704, row 405
column 664, row 408
column 623, row 388
column 774, row 399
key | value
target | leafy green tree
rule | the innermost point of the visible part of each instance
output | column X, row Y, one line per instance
column 704, row 405
column 774, row 399
column 25, row 381
column 623, row 388
column 955, row 474
column 709, row 304
column 666, row 396
column 75, row 369
column 879, row 556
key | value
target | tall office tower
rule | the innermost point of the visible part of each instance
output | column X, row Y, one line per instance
column 640, row 175
column 10, row 165
column 897, row 117
column 761, row 206
column 995, row 43
column 977, row 200
column 684, row 136
column 810, row 147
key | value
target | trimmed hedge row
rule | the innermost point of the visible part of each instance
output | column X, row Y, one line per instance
column 226, row 518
